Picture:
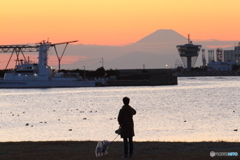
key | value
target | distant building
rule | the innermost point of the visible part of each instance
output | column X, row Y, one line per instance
column 221, row 66
column 189, row 53
column 232, row 55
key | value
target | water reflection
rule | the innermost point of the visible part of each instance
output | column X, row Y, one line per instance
column 204, row 108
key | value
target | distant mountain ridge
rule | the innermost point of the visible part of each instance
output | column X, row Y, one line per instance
column 136, row 60
column 156, row 50
column 162, row 36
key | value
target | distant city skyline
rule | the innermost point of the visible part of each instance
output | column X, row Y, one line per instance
column 115, row 23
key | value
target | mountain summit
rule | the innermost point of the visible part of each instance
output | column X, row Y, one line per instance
column 162, row 36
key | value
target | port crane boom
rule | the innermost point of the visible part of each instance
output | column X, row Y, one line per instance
column 20, row 49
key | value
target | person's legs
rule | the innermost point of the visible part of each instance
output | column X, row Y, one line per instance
column 125, row 140
column 130, row 146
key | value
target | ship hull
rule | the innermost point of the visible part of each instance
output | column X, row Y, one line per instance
column 45, row 84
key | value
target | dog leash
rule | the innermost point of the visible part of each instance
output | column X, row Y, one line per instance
column 114, row 138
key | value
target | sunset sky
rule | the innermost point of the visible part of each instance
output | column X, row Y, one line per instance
column 115, row 22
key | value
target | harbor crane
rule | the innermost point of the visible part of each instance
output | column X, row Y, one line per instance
column 20, row 49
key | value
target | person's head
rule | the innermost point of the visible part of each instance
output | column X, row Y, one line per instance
column 126, row 100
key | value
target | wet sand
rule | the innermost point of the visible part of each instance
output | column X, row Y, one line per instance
column 85, row 150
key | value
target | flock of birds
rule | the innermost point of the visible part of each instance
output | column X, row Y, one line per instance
column 233, row 130
column 31, row 125
column 45, row 122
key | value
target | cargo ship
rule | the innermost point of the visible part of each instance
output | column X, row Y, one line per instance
column 40, row 75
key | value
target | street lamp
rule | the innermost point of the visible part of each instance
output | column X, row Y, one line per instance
column 102, row 62
column 84, row 72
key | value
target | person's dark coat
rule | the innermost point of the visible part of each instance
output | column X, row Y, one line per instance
column 125, row 120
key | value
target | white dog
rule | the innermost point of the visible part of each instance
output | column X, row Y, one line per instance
column 101, row 148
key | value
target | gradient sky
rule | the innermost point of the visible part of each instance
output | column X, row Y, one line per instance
column 115, row 22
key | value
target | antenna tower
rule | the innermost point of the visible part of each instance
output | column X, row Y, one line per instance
column 203, row 57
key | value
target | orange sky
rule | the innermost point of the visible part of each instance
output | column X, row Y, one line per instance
column 115, row 22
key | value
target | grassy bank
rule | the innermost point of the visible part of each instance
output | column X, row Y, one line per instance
column 84, row 150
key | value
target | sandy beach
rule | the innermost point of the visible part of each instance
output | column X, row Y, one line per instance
column 85, row 150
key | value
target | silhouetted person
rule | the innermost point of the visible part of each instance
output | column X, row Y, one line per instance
column 125, row 120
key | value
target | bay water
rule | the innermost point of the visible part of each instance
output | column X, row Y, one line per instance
column 197, row 109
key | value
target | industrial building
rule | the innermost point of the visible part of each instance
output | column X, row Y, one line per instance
column 218, row 60
column 232, row 55
column 220, row 66
column 225, row 59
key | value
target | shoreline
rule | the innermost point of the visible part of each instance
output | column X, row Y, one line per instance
column 65, row 150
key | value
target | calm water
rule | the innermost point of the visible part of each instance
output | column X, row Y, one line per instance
column 197, row 109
